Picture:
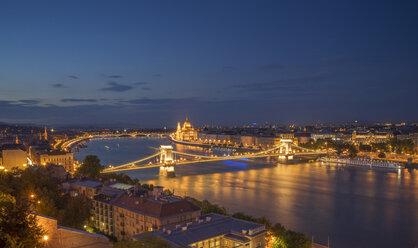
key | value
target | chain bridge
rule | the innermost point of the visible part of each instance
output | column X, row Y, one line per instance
column 167, row 158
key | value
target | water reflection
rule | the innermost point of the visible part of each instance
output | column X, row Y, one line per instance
column 356, row 207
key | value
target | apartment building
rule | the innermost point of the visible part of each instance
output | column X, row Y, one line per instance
column 125, row 213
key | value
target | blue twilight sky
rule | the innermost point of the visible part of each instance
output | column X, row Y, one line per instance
column 151, row 63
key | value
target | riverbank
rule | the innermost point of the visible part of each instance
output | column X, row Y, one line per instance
column 347, row 202
column 204, row 145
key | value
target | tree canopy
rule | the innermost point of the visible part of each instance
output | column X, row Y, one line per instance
column 90, row 168
column 44, row 196
column 17, row 227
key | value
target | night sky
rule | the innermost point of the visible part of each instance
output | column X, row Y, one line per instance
column 152, row 63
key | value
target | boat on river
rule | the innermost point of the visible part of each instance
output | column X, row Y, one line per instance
column 363, row 162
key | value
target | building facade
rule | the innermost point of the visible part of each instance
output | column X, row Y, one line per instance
column 12, row 155
column 123, row 214
column 187, row 132
column 66, row 159
column 56, row 236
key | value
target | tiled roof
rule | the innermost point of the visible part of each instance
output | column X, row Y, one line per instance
column 88, row 183
column 155, row 208
column 54, row 152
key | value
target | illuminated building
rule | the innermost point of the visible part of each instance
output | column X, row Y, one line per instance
column 187, row 132
column 124, row 213
column 65, row 159
column 367, row 137
column 12, row 155
column 214, row 230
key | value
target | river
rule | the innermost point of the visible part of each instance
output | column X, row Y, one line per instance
column 355, row 207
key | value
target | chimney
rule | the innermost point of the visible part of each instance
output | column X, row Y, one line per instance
column 157, row 192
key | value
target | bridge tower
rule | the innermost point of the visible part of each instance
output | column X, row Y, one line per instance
column 166, row 155
column 285, row 149
column 167, row 161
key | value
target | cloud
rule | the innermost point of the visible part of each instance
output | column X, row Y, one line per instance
column 145, row 88
column 140, row 83
column 271, row 67
column 59, row 86
column 162, row 101
column 158, row 75
column 77, row 100
column 114, row 76
column 21, row 103
column 29, row 102
column 73, row 77
column 5, row 103
column 115, row 87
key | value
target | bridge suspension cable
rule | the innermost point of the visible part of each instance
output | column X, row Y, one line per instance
column 138, row 161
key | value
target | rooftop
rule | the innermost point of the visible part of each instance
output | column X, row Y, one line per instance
column 157, row 208
column 54, row 152
column 209, row 226
column 88, row 183
column 121, row 186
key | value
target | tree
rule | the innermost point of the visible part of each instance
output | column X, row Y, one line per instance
column 76, row 212
column 381, row 155
column 352, row 150
column 208, row 207
column 44, row 196
column 91, row 167
column 17, row 227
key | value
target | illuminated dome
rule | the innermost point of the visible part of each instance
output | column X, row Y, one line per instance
column 187, row 132
column 187, row 124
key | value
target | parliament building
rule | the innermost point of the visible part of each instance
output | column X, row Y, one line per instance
column 187, row 132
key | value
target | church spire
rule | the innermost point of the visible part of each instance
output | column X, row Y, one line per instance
column 17, row 139
column 45, row 134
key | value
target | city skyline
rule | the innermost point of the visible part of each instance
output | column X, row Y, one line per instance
column 220, row 63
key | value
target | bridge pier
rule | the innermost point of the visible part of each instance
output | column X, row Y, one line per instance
column 285, row 157
column 167, row 171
